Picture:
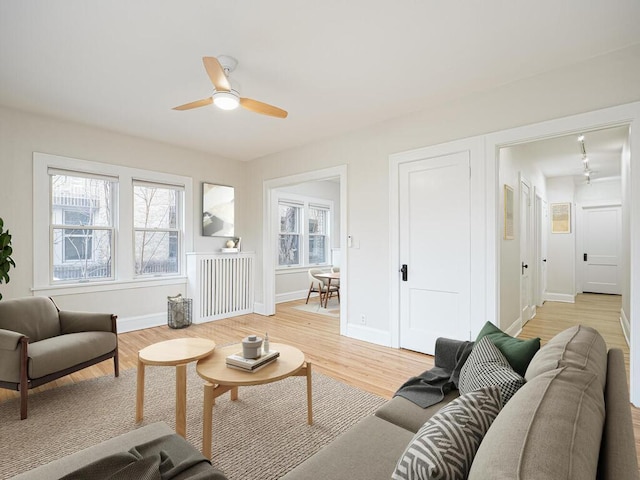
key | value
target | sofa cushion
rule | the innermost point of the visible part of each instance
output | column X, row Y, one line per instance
column 579, row 347
column 406, row 414
column 35, row 317
column 369, row 449
column 517, row 351
column 65, row 351
column 486, row 367
column 550, row 429
column 445, row 446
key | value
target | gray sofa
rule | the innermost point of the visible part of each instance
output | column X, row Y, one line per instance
column 40, row 343
column 571, row 420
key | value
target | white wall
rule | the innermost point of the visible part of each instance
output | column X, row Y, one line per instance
column 599, row 82
column 21, row 134
column 514, row 162
column 561, row 247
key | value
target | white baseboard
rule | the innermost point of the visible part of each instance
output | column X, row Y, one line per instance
column 515, row 328
column 141, row 322
column 559, row 297
column 626, row 326
column 368, row 334
column 259, row 309
column 290, row 296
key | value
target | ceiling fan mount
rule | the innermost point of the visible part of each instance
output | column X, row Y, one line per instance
column 225, row 95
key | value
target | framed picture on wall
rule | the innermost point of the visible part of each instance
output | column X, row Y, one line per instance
column 560, row 218
column 218, row 214
column 508, row 213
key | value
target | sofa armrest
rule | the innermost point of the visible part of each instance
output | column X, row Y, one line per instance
column 74, row 322
column 9, row 340
column 617, row 451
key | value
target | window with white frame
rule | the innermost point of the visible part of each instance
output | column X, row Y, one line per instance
column 304, row 236
column 156, row 228
column 105, row 224
column 82, row 229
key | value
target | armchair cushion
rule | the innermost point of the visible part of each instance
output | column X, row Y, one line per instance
column 74, row 322
column 65, row 351
column 35, row 317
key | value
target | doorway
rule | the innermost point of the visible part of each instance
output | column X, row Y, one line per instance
column 271, row 229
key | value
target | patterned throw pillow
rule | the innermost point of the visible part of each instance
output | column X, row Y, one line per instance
column 445, row 445
column 486, row 366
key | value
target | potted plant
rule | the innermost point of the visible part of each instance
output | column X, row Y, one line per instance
column 6, row 262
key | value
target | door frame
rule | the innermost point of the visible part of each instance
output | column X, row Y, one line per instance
column 478, row 298
column 530, row 243
column 623, row 115
column 269, row 237
column 539, row 237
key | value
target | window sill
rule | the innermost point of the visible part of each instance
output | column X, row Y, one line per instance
column 291, row 270
column 91, row 287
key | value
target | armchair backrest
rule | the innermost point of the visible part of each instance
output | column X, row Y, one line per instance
column 35, row 317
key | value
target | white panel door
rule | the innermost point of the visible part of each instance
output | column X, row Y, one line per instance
column 435, row 247
column 601, row 250
column 526, row 285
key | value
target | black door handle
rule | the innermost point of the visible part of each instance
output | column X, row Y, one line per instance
column 524, row 265
column 403, row 270
column 584, row 257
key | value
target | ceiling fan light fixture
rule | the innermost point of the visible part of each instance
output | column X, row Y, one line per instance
column 226, row 100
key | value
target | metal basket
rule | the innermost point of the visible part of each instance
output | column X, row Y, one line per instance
column 178, row 311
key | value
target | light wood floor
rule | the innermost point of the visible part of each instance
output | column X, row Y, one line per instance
column 380, row 370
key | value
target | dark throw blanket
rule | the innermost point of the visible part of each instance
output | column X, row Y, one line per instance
column 165, row 458
column 431, row 386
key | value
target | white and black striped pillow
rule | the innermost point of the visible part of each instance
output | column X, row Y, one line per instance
column 487, row 366
column 445, row 445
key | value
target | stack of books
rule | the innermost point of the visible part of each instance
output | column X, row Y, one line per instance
column 251, row 364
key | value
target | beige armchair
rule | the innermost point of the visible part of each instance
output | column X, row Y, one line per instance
column 322, row 287
column 39, row 343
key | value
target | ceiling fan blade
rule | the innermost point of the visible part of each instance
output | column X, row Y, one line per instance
column 196, row 104
column 263, row 108
column 216, row 74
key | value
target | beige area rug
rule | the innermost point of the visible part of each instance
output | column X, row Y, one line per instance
column 263, row 435
column 332, row 310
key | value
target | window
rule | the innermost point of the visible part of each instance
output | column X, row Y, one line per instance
column 304, row 236
column 82, row 231
column 289, row 239
column 156, row 232
column 107, row 226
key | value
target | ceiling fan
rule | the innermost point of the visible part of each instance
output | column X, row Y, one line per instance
column 225, row 95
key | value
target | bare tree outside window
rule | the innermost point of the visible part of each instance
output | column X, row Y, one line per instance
column 156, row 229
column 289, row 238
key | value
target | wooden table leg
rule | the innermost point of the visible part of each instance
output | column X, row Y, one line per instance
column 181, row 400
column 207, row 418
column 140, row 392
column 234, row 393
column 309, row 400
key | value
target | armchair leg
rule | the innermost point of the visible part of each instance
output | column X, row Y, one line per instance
column 24, row 382
column 116, row 365
column 309, row 294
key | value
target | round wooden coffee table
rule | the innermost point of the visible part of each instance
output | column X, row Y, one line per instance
column 221, row 379
column 172, row 353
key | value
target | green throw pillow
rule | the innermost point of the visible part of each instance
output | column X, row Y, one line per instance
column 518, row 352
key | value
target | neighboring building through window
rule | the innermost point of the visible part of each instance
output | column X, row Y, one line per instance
column 108, row 223
column 82, row 230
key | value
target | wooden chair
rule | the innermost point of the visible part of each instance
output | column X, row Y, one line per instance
column 322, row 288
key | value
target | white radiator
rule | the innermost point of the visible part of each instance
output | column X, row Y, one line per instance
column 221, row 284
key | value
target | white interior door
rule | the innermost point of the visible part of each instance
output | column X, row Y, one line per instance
column 435, row 247
column 601, row 236
column 526, row 284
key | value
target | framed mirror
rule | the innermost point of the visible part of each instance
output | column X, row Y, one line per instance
column 217, row 210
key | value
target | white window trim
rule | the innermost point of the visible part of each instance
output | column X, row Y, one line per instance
column 304, row 202
column 123, row 247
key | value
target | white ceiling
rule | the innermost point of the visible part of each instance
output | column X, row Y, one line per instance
column 562, row 156
column 334, row 65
